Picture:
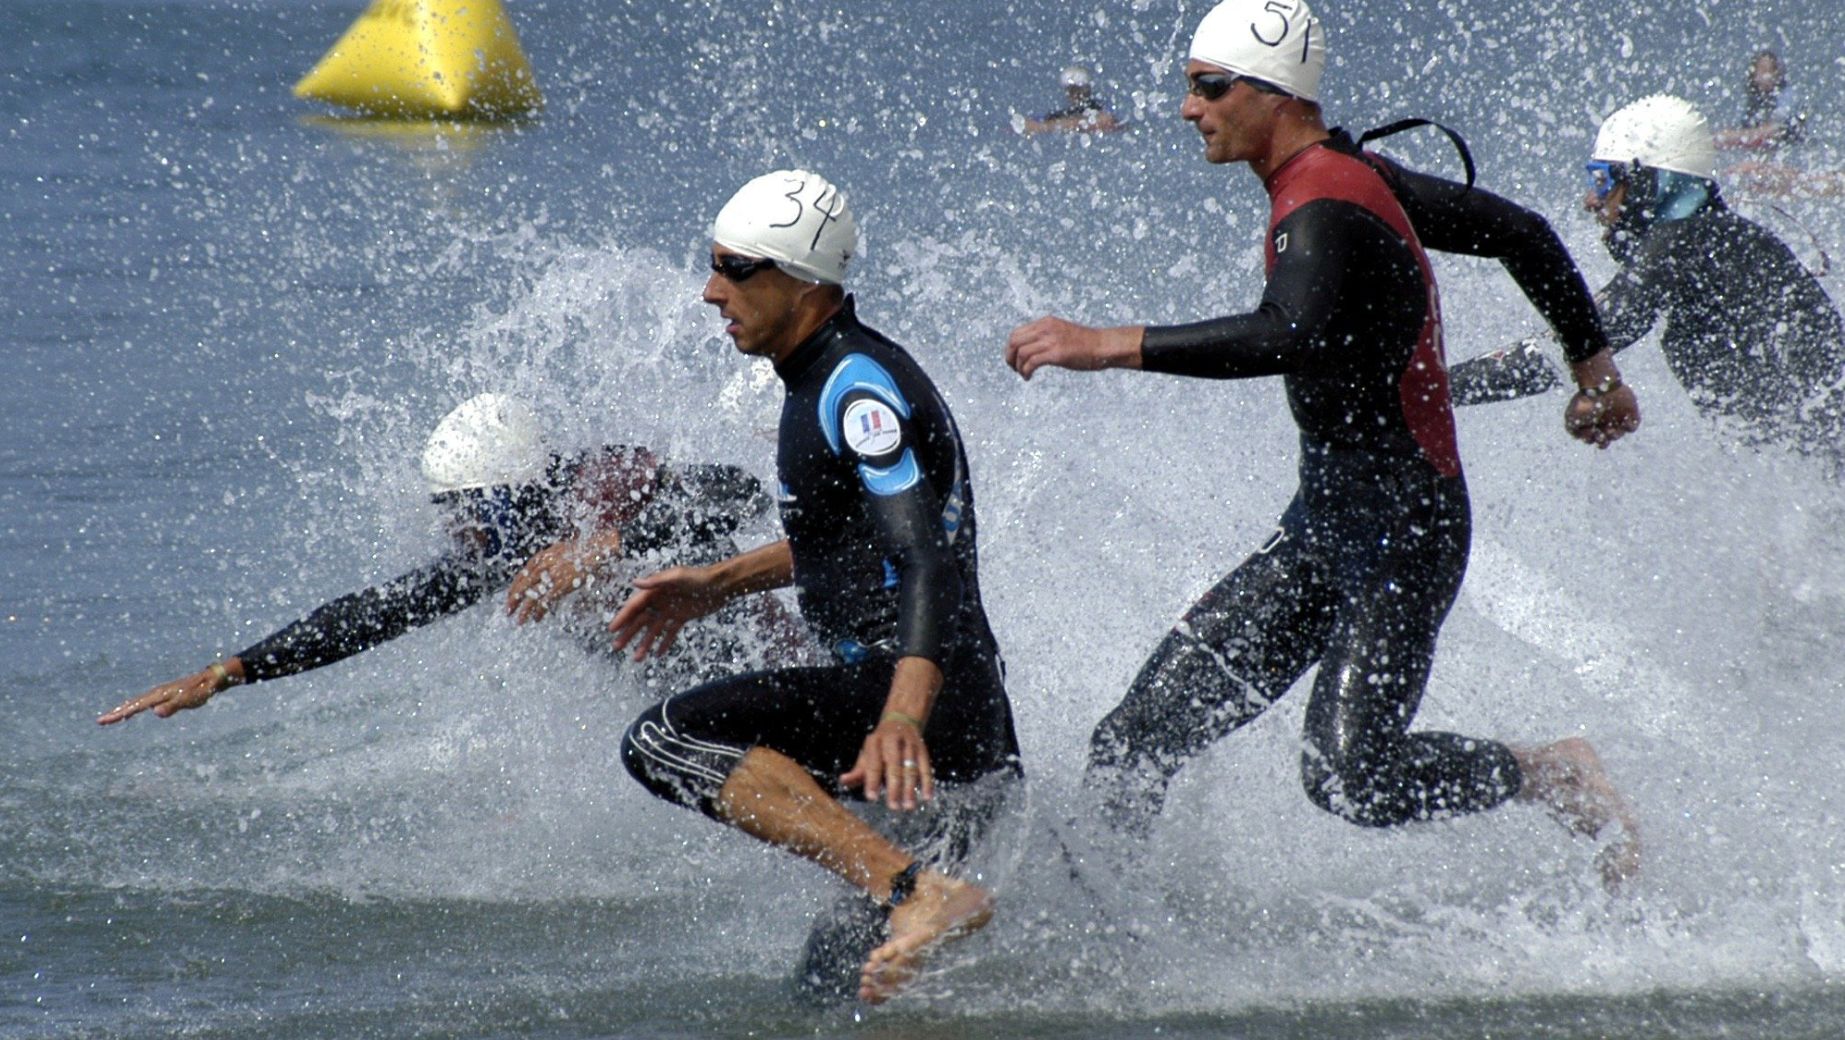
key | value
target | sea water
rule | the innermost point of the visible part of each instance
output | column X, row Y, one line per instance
column 228, row 322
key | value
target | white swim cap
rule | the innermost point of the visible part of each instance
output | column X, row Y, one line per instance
column 1661, row 131
column 794, row 218
column 486, row 441
column 1276, row 41
column 1075, row 76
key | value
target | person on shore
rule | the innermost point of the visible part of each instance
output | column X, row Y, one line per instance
column 1368, row 557
column 878, row 510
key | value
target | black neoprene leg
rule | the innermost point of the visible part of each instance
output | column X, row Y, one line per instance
column 1235, row 652
column 1361, row 762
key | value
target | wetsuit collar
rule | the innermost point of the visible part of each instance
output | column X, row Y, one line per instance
column 1275, row 177
column 797, row 363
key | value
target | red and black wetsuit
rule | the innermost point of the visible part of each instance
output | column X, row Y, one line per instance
column 1368, row 556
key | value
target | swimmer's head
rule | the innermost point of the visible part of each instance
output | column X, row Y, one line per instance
column 1766, row 72
column 795, row 218
column 1662, row 132
column 1278, row 42
column 485, row 463
column 1076, row 78
column 1654, row 162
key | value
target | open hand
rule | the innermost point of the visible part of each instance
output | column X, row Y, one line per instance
column 549, row 576
column 1065, row 344
column 894, row 761
column 170, row 697
column 662, row 604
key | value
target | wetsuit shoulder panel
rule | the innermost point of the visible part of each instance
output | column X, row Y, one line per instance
column 865, row 416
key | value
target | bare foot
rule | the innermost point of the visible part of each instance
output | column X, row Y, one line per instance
column 940, row 910
column 1568, row 779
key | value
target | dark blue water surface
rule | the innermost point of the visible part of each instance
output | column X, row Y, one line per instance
column 228, row 319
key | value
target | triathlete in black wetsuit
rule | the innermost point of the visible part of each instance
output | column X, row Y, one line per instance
column 883, row 546
column 879, row 516
column 1369, row 555
column 1749, row 332
column 583, row 510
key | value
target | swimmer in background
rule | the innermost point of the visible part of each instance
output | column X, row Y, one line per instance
column 539, row 524
column 1082, row 113
column 1772, row 123
column 1770, row 116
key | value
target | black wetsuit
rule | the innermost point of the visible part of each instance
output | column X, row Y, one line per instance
column 1370, row 553
column 880, row 520
column 1748, row 330
column 690, row 512
column 1076, row 111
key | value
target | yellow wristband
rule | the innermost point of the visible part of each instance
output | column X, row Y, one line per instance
column 225, row 678
column 896, row 716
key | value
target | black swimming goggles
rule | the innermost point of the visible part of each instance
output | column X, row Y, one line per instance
column 738, row 268
column 1604, row 177
column 1213, row 85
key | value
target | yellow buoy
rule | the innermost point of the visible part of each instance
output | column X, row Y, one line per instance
column 421, row 58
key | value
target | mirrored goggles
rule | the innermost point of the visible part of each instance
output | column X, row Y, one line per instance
column 738, row 268
column 1604, row 177
column 1213, row 85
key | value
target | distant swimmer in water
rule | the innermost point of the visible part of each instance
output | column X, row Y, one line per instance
column 1082, row 113
column 1771, row 117
column 1749, row 332
column 879, row 515
column 1772, row 122
column 539, row 524
column 1369, row 556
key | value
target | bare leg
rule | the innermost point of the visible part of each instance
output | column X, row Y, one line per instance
column 769, row 796
column 1567, row 778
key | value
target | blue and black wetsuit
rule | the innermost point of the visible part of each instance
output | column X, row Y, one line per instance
column 683, row 512
column 1368, row 556
column 879, row 515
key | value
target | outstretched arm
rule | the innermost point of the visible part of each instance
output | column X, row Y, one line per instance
column 1453, row 218
column 333, row 632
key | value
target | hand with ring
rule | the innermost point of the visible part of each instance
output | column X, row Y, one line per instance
column 894, row 762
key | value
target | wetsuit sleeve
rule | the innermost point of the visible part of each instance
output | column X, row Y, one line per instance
column 872, row 426
column 1450, row 217
column 1318, row 248
column 1632, row 302
column 359, row 621
column 1518, row 371
column 695, row 505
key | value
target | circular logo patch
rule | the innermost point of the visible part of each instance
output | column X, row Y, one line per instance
column 871, row 427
